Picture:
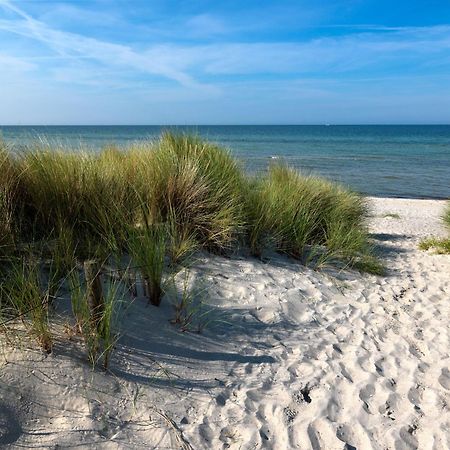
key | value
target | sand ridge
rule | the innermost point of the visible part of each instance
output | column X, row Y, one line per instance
column 292, row 358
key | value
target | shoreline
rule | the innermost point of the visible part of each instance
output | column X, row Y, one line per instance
column 393, row 197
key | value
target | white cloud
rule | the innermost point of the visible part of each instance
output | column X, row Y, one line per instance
column 107, row 53
column 188, row 64
column 74, row 73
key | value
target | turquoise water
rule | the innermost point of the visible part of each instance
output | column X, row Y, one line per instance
column 397, row 161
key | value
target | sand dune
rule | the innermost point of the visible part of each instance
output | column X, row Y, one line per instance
column 291, row 359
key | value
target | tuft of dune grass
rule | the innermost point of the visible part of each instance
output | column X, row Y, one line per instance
column 8, row 200
column 199, row 185
column 446, row 216
column 300, row 215
column 85, row 204
column 22, row 294
column 440, row 246
column 86, row 195
column 167, row 198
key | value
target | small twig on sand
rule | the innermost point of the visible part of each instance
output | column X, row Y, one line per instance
column 182, row 441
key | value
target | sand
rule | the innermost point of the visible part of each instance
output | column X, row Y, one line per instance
column 290, row 358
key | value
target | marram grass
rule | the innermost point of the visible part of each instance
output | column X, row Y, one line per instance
column 87, row 194
column 196, row 184
column 90, row 202
column 153, row 206
column 23, row 293
column 8, row 201
column 446, row 216
column 439, row 245
column 303, row 215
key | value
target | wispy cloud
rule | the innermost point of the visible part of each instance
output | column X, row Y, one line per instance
column 195, row 57
column 154, row 61
column 189, row 65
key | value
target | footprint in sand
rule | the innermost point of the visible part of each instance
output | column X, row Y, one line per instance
column 415, row 394
column 221, row 399
column 408, row 438
column 353, row 435
column 345, row 373
column 206, row 432
column 321, row 434
column 366, row 394
column 392, row 405
column 423, row 367
column 418, row 334
column 333, row 410
column 444, row 378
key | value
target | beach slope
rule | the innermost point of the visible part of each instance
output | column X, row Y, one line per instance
column 290, row 358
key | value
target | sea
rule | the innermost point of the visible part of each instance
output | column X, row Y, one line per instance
column 409, row 161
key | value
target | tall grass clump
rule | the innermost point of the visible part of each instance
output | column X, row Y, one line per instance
column 446, row 216
column 108, row 323
column 303, row 215
column 197, row 190
column 440, row 245
column 97, row 326
column 198, row 187
column 157, row 201
column 147, row 247
column 182, row 242
column 201, row 195
column 8, row 201
column 23, row 294
column 88, row 194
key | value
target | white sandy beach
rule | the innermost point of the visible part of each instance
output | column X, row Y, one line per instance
column 296, row 359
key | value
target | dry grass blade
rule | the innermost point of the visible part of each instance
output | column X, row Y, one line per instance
column 179, row 436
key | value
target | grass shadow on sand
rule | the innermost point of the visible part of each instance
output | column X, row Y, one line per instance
column 10, row 427
column 155, row 352
column 177, row 359
column 386, row 246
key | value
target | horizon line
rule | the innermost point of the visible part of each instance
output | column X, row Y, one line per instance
column 224, row 124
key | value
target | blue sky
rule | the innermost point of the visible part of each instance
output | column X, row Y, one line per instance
column 224, row 62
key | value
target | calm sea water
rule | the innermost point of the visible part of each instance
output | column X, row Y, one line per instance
column 398, row 161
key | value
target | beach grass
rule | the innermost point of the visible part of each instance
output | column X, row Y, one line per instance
column 147, row 247
column 8, row 204
column 194, row 187
column 190, row 312
column 304, row 215
column 154, row 205
column 446, row 216
column 439, row 245
column 24, row 294
column 196, row 184
column 87, row 194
